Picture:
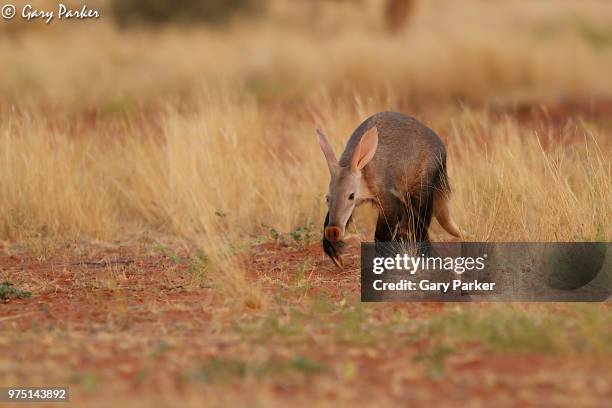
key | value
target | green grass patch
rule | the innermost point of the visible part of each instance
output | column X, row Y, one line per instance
column 219, row 370
column 8, row 291
column 341, row 321
column 198, row 268
column 550, row 329
column 434, row 358
column 597, row 36
column 169, row 253
column 88, row 381
column 542, row 329
column 298, row 237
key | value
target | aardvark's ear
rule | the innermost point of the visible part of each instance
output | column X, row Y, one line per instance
column 365, row 150
column 327, row 150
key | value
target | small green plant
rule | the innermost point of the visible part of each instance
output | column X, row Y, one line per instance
column 272, row 232
column 299, row 280
column 307, row 366
column 88, row 381
column 434, row 359
column 8, row 292
column 169, row 253
column 219, row 370
column 351, row 326
column 299, row 236
column 161, row 348
column 198, row 267
column 303, row 234
column 598, row 37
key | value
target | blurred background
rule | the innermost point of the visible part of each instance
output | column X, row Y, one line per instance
column 145, row 51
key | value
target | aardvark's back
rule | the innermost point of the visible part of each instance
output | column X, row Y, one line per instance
column 407, row 151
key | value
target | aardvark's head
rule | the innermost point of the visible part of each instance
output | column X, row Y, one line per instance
column 345, row 184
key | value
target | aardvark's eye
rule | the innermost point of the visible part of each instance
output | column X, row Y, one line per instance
column 352, row 196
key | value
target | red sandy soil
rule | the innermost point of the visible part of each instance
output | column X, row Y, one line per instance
column 76, row 324
column 561, row 112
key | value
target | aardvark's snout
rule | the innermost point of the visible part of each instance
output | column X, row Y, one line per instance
column 333, row 234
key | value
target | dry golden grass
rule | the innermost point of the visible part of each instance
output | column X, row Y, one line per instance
column 228, row 168
column 521, row 184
